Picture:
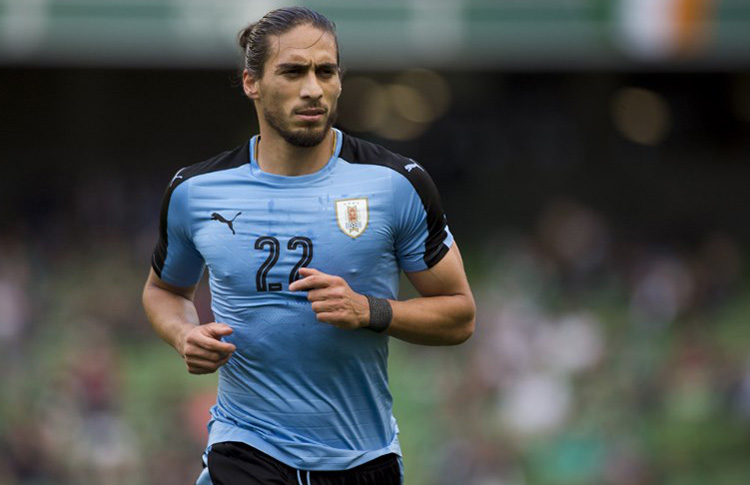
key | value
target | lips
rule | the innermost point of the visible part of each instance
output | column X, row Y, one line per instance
column 310, row 111
column 310, row 115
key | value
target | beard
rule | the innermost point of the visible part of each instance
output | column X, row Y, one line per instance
column 301, row 137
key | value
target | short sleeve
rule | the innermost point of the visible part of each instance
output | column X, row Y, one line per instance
column 176, row 260
column 423, row 237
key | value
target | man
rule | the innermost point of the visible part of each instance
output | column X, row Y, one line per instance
column 304, row 231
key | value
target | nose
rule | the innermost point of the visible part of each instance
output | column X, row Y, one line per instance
column 311, row 88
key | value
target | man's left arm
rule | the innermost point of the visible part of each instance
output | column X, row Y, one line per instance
column 442, row 315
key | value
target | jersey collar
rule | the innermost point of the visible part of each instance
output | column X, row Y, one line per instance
column 256, row 171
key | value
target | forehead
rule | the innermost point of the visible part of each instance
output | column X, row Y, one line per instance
column 303, row 43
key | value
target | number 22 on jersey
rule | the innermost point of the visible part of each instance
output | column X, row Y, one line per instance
column 271, row 244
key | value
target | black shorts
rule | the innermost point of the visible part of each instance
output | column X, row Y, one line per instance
column 233, row 463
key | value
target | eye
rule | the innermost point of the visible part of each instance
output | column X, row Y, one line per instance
column 291, row 73
column 326, row 72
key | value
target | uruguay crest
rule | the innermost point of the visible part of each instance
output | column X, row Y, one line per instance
column 352, row 216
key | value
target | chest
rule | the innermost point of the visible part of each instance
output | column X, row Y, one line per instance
column 255, row 239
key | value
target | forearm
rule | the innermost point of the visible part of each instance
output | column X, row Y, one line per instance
column 443, row 315
column 171, row 315
column 434, row 320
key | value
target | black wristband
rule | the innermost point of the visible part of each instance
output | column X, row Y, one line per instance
column 381, row 314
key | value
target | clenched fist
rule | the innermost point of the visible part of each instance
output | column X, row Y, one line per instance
column 203, row 349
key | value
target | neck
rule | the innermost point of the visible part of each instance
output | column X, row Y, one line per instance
column 277, row 156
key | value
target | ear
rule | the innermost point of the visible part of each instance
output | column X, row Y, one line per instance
column 250, row 85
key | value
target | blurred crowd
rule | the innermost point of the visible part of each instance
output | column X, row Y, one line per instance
column 596, row 360
column 601, row 361
column 90, row 394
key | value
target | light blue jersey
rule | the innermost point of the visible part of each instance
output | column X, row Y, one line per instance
column 307, row 393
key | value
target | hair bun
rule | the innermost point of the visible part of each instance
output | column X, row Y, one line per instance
column 243, row 38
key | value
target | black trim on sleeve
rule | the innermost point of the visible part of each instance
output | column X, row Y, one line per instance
column 224, row 161
column 355, row 150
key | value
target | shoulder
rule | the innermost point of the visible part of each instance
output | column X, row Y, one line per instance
column 223, row 161
column 357, row 151
column 176, row 194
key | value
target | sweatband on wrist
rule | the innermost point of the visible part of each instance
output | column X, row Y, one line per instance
column 381, row 314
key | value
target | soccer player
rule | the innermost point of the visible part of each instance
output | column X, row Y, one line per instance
column 304, row 231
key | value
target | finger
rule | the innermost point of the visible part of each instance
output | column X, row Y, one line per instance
column 210, row 343
column 311, row 282
column 201, row 366
column 324, row 317
column 323, row 307
column 194, row 352
column 218, row 330
column 306, row 271
column 200, row 370
column 334, row 318
column 317, row 295
column 219, row 346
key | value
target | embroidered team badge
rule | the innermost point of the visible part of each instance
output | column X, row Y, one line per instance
column 352, row 216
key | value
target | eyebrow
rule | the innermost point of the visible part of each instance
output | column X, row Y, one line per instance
column 298, row 65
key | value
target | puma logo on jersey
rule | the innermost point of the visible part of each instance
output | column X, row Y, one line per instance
column 230, row 223
column 177, row 176
column 412, row 166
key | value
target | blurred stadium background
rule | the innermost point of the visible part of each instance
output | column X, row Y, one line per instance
column 593, row 157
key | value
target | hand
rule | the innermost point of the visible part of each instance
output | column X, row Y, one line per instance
column 203, row 350
column 333, row 301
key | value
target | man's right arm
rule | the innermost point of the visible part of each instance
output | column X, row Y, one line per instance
column 172, row 314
